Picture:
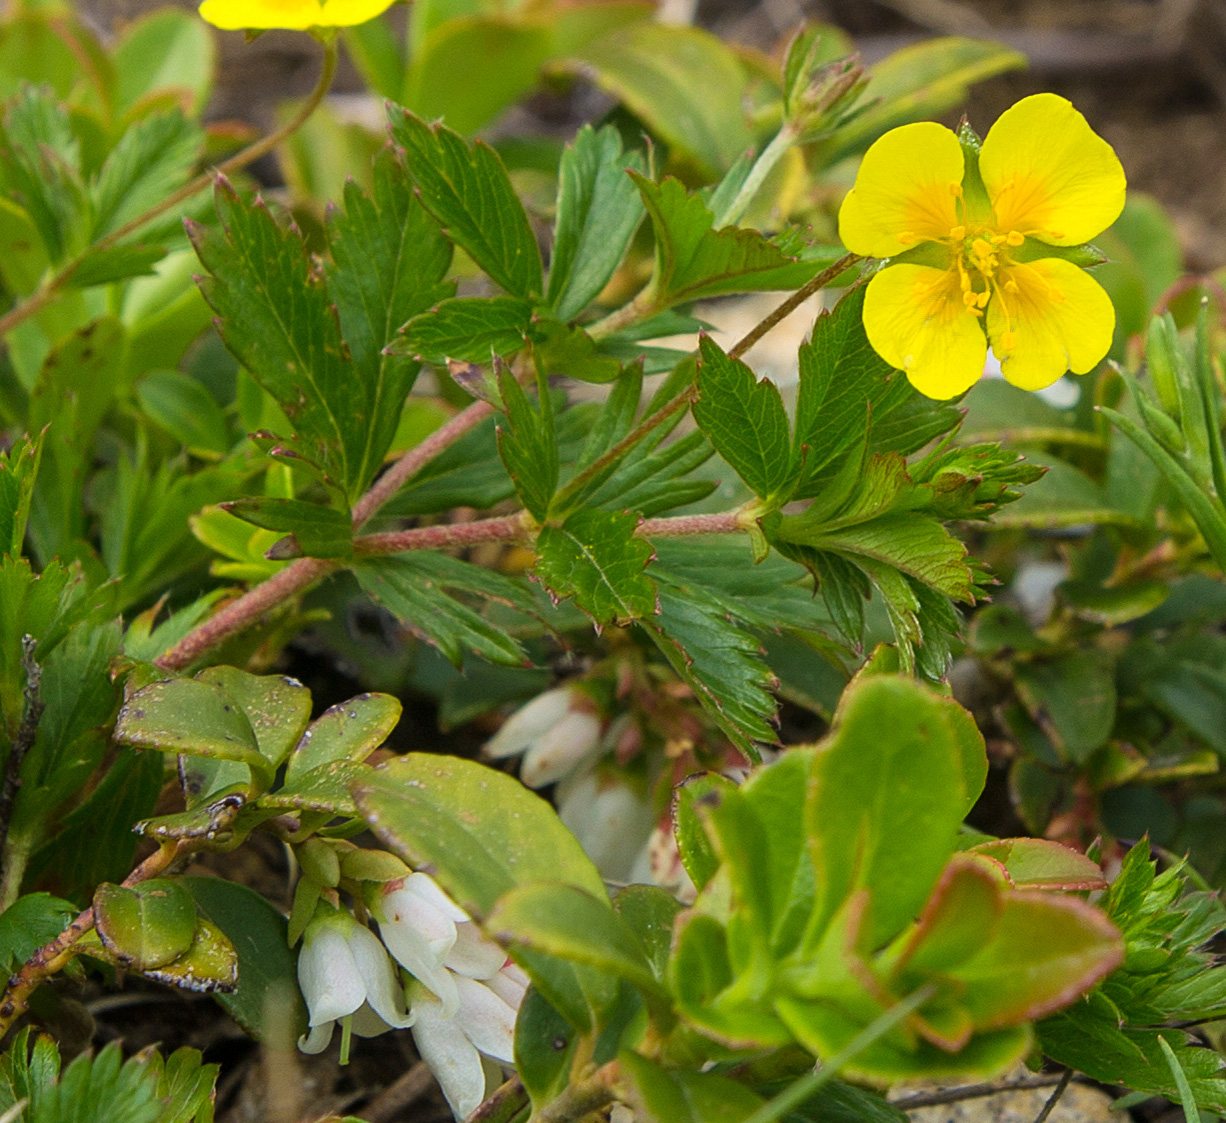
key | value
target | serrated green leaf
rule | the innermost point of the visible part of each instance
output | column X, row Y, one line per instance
column 693, row 260
column 418, row 589
column 598, row 212
column 529, row 445
column 468, row 192
column 745, row 421
column 318, row 532
column 595, row 557
column 468, row 329
column 18, row 472
column 153, row 158
column 117, row 263
column 721, row 662
column 389, row 260
column 278, row 320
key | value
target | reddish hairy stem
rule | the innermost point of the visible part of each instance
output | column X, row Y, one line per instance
column 722, row 522
column 505, row 529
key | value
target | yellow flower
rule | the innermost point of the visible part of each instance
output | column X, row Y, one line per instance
column 296, row 15
column 981, row 229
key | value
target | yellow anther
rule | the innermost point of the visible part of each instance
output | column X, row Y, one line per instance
column 984, row 297
column 957, row 233
column 975, row 312
column 982, row 250
column 1015, row 238
column 907, row 238
column 998, row 239
column 1008, row 340
column 1011, row 286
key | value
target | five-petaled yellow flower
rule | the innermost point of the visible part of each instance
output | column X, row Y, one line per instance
column 295, row 15
column 981, row 228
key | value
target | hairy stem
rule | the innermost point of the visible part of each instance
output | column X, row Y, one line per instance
column 509, row 528
column 52, row 286
column 792, row 303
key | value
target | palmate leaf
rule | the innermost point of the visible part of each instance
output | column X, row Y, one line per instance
column 694, row 260
column 420, row 590
column 595, row 557
column 746, row 422
column 598, row 212
column 389, row 259
column 278, row 319
column 468, row 191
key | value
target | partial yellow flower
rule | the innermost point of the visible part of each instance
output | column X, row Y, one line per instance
column 981, row 230
column 295, row 15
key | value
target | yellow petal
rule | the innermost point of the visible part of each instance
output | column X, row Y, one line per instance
column 1049, row 174
column 1060, row 319
column 296, row 15
column 915, row 319
column 904, row 191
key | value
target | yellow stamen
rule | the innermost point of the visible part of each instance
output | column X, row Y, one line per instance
column 1008, row 340
column 957, row 233
column 1014, row 238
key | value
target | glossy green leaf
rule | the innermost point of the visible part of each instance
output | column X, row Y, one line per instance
column 31, row 921
column 468, row 192
column 1038, row 863
column 676, row 1096
column 348, row 731
column 598, row 211
column 277, row 706
column 650, row 912
column 567, row 922
column 595, row 557
column 544, row 1048
column 149, row 925
column 421, row 805
column 746, row 422
column 468, row 329
column 186, row 716
column 870, row 792
column 209, row 966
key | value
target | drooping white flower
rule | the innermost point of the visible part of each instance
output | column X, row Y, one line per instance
column 482, row 1025
column 557, row 732
column 344, row 971
column 609, row 816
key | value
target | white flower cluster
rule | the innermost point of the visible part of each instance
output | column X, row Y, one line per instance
column 461, row 1005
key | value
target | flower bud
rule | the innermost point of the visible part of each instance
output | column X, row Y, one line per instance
column 611, row 820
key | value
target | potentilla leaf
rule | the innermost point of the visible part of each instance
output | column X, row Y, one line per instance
column 694, row 260
column 528, row 444
column 746, row 422
column 389, row 259
column 595, row 557
column 468, row 191
column 318, row 532
column 277, row 317
column 469, row 329
column 598, row 213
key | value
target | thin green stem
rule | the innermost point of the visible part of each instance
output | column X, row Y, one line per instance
column 51, row 287
column 642, row 307
column 812, row 1082
column 763, row 166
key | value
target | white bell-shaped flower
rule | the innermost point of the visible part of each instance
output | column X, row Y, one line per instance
column 344, row 971
column 557, row 732
column 610, row 817
column 454, row 1043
